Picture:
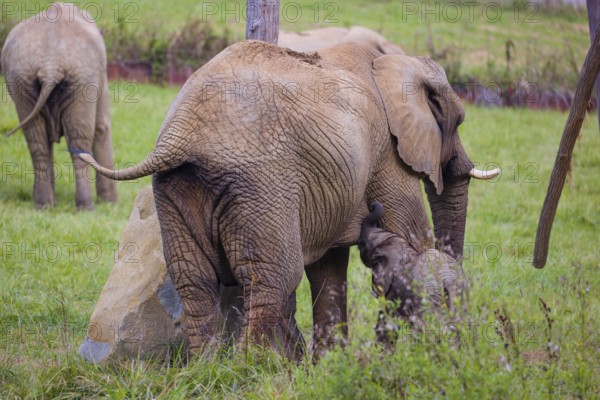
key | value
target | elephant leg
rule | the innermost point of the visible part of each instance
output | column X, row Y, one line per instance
column 192, row 273
column 294, row 341
column 78, row 125
column 83, row 187
column 40, row 148
column 264, row 307
column 265, row 254
column 106, row 188
column 232, row 309
column 327, row 279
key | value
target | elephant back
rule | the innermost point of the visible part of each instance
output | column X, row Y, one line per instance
column 257, row 93
column 60, row 35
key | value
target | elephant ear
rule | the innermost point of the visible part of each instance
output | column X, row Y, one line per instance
column 421, row 112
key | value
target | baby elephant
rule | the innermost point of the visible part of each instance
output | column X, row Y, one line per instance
column 409, row 279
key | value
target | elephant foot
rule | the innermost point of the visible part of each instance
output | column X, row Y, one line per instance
column 291, row 341
column 262, row 335
column 43, row 198
column 85, row 207
column 108, row 197
column 84, row 203
column 113, row 199
column 327, row 338
column 44, row 206
column 200, row 346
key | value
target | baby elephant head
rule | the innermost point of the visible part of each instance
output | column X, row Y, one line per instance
column 410, row 279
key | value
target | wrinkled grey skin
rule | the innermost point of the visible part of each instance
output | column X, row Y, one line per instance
column 55, row 69
column 230, row 320
column 254, row 189
column 414, row 281
column 317, row 39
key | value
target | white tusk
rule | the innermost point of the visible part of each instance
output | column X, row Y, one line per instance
column 484, row 175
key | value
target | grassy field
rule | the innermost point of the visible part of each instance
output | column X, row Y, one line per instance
column 54, row 264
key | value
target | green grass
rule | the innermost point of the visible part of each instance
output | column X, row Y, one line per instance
column 50, row 281
column 54, row 263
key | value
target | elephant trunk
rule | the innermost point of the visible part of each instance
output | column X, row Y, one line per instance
column 449, row 208
column 368, row 229
column 449, row 214
column 167, row 155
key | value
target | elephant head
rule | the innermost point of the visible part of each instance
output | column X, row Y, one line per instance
column 423, row 115
column 406, row 277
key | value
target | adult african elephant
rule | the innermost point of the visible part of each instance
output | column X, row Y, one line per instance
column 316, row 39
column 55, row 68
column 266, row 162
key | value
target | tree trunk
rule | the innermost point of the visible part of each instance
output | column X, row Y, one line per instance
column 587, row 77
column 593, row 10
column 262, row 20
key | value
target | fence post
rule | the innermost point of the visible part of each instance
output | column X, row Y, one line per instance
column 262, row 20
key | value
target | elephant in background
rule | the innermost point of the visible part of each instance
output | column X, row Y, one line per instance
column 256, row 184
column 411, row 280
column 55, row 68
column 317, row 39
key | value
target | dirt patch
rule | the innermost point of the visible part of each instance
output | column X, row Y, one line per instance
column 310, row 58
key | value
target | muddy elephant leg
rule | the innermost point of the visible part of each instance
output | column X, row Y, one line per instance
column 106, row 189
column 40, row 148
column 327, row 279
column 192, row 274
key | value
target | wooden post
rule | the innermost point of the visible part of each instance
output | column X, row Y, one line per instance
column 262, row 20
column 593, row 10
column 587, row 77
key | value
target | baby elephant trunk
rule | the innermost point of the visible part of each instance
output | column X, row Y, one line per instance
column 371, row 220
column 368, row 229
column 413, row 281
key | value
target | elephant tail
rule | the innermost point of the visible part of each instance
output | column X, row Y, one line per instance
column 375, row 214
column 164, row 158
column 45, row 92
